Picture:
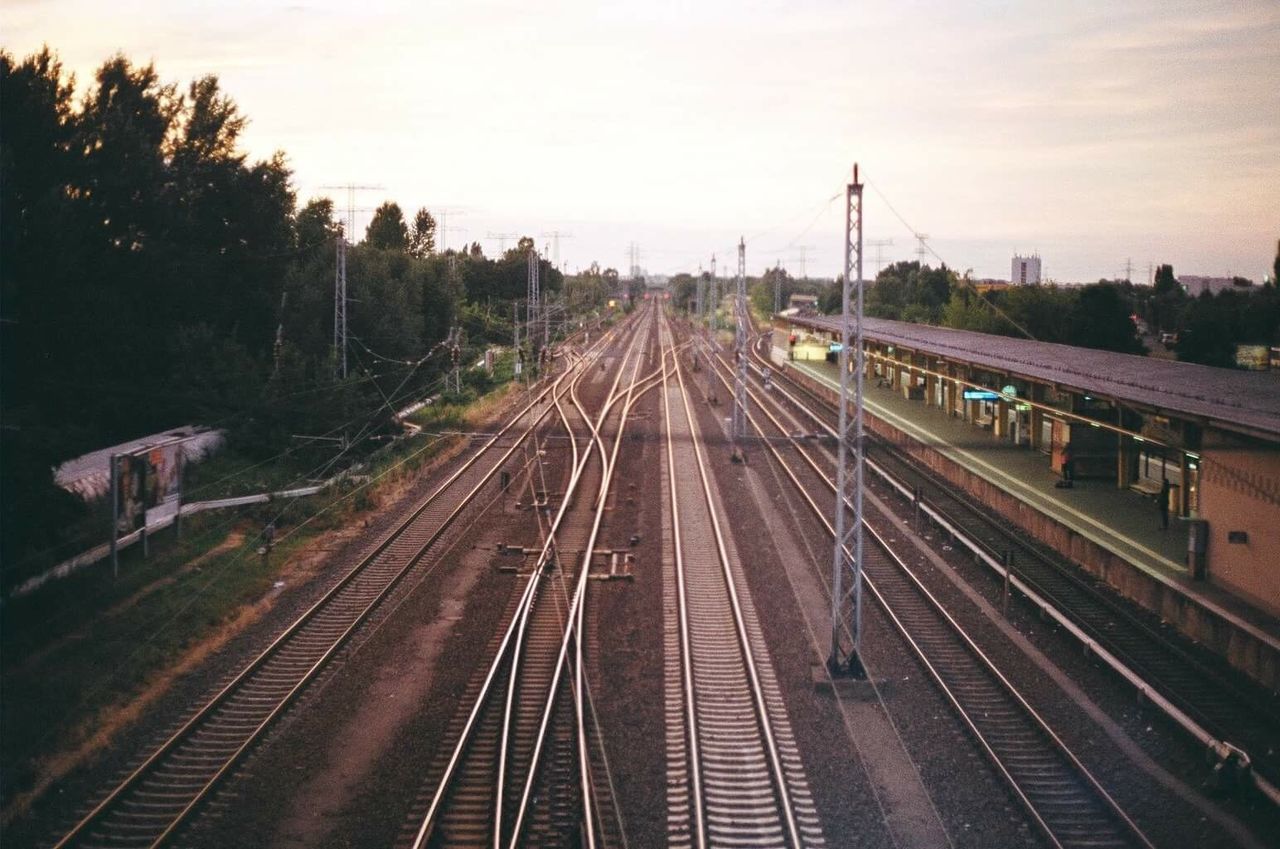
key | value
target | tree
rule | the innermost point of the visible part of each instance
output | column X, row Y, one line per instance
column 1208, row 337
column 422, row 239
column 1101, row 319
column 38, row 247
column 585, row 291
column 1043, row 312
column 910, row 292
column 524, row 245
column 387, row 230
column 684, row 292
column 831, row 298
column 1168, row 301
column 967, row 311
column 1165, row 282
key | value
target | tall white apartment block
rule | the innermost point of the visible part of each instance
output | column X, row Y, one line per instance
column 1025, row 271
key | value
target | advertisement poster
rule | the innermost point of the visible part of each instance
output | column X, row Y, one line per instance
column 130, row 479
column 163, row 485
column 148, row 487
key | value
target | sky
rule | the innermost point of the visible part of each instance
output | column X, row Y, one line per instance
column 1102, row 135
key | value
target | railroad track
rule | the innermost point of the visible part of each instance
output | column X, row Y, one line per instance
column 523, row 770
column 1062, row 798
column 1236, row 720
column 734, row 772
column 160, row 796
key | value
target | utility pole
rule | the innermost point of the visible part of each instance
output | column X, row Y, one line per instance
column 533, row 297
column 803, row 254
column 777, row 287
column 740, row 354
column 921, row 250
column 340, row 306
column 1128, row 270
column 841, row 662
column 443, row 228
column 518, row 366
column 633, row 258
column 455, row 357
column 701, row 292
column 351, row 189
column 715, row 296
column 502, row 241
column 556, row 236
column 879, row 245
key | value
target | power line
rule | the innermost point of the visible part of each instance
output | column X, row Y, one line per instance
column 921, row 250
column 556, row 236
column 351, row 189
column 501, row 239
column 879, row 245
column 924, row 245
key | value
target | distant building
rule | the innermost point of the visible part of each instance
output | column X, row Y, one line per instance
column 1025, row 270
column 1195, row 285
column 803, row 302
column 988, row 284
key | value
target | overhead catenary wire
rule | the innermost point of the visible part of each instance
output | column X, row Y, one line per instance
column 924, row 241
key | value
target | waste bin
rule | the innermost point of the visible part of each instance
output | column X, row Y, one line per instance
column 1197, row 548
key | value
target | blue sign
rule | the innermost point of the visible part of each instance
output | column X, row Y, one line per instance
column 981, row 395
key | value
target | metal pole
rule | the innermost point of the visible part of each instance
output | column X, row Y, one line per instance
column 534, row 298
column 115, row 515
column 855, row 661
column 777, row 288
column 740, row 351
column 714, row 306
column 839, row 662
column 701, row 294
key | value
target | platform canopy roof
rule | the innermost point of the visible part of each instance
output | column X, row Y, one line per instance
column 1244, row 401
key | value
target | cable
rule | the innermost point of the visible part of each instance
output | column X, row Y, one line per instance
column 965, row 281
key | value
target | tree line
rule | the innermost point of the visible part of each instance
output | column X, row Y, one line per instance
column 1105, row 315
column 154, row 276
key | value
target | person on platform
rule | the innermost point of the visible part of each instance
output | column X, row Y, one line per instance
column 1162, row 501
column 1068, row 466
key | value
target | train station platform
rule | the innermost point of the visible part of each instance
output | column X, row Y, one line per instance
column 1113, row 533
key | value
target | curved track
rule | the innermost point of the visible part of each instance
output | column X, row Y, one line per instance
column 521, row 770
column 160, row 796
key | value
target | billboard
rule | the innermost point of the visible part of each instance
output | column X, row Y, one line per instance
column 163, row 484
column 1253, row 357
column 148, row 486
column 129, row 481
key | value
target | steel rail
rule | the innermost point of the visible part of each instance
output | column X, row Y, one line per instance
column 514, row 631
column 777, row 774
column 985, row 662
column 577, row 606
column 1180, row 708
column 189, row 727
column 686, row 651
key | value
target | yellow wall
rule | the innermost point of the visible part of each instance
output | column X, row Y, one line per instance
column 1240, row 491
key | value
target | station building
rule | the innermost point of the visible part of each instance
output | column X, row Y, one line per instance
column 995, row 415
